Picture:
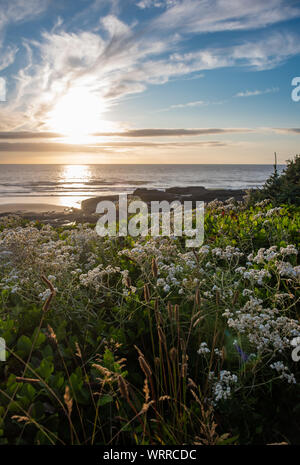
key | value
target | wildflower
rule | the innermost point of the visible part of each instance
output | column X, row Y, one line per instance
column 203, row 349
column 222, row 385
column 284, row 372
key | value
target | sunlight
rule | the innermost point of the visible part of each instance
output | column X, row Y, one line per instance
column 76, row 174
column 77, row 115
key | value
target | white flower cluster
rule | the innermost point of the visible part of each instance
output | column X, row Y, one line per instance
column 227, row 253
column 268, row 213
column 286, row 269
column 157, row 247
column 95, row 276
column 273, row 211
column 266, row 329
column 203, row 349
column 253, row 274
column 44, row 295
column 289, row 250
column 264, row 255
column 222, row 385
column 284, row 372
column 263, row 203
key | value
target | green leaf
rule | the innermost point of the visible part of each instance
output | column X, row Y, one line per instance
column 105, row 399
column 24, row 344
column 45, row 369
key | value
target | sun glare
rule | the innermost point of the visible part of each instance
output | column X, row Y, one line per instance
column 77, row 115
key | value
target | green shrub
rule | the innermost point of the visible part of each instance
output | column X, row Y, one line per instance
column 284, row 188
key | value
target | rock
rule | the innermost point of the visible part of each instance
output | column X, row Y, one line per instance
column 89, row 205
column 192, row 193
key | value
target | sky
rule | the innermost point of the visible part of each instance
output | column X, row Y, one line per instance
column 149, row 81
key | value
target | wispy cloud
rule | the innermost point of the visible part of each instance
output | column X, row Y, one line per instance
column 146, row 133
column 143, row 4
column 173, row 132
column 192, row 16
column 287, row 130
column 121, row 65
column 10, row 135
column 120, row 59
column 251, row 93
column 52, row 147
column 16, row 11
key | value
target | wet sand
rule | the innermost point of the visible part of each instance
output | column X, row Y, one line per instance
column 32, row 208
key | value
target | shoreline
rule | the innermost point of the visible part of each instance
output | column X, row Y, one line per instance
column 31, row 208
column 63, row 215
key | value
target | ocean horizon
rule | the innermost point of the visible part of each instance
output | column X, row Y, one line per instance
column 70, row 184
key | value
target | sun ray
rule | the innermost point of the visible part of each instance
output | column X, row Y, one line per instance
column 77, row 115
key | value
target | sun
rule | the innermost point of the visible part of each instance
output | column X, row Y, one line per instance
column 77, row 114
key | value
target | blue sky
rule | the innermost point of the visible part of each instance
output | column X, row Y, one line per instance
column 149, row 81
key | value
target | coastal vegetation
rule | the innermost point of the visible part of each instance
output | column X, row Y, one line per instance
column 143, row 341
column 284, row 188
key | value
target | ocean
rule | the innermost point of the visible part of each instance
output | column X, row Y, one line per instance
column 70, row 184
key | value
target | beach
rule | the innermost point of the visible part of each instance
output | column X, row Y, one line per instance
column 31, row 208
column 64, row 215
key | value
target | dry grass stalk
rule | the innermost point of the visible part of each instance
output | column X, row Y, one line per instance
column 123, row 387
column 146, row 293
column 162, row 336
column 173, row 354
column 176, row 313
column 52, row 334
column 52, row 294
column 139, row 351
column 184, row 366
column 197, row 297
column 146, row 391
column 102, row 370
column 170, row 311
column 235, row 297
column 154, row 268
column 145, row 407
column 68, row 400
column 218, row 298
column 20, row 379
column 145, row 367
column 198, row 321
column 162, row 398
column 20, row 418
column 78, row 351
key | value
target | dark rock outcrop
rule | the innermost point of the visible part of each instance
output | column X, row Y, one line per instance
column 193, row 193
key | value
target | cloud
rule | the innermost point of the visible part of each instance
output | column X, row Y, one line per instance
column 16, row 11
column 171, row 132
column 143, row 4
column 118, row 59
column 27, row 135
column 251, row 93
column 119, row 65
column 265, row 53
column 196, row 103
column 194, row 16
column 287, row 130
column 52, row 147
column 7, row 56
column 143, row 133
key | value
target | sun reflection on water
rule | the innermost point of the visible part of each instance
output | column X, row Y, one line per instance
column 74, row 179
column 75, row 174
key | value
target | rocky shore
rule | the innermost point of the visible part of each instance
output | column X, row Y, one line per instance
column 192, row 193
column 60, row 216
